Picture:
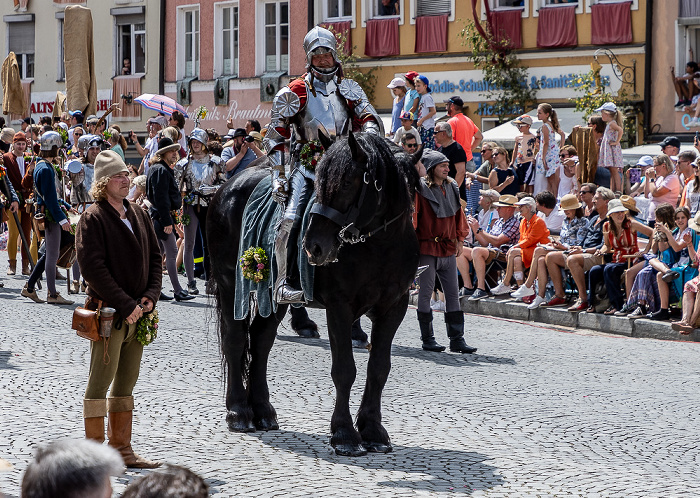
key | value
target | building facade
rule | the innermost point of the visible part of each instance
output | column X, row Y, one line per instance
column 126, row 35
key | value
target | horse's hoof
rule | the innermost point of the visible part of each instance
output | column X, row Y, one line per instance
column 359, row 344
column 378, row 447
column 351, row 450
column 267, row 424
column 308, row 333
column 235, row 424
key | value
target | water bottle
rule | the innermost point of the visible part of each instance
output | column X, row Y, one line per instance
column 106, row 320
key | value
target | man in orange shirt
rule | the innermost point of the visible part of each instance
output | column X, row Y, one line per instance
column 464, row 131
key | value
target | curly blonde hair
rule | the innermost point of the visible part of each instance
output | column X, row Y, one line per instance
column 98, row 191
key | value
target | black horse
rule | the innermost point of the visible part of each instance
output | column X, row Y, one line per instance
column 361, row 238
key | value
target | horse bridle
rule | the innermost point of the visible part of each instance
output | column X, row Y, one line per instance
column 350, row 232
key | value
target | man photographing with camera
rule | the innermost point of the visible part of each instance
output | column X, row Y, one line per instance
column 239, row 152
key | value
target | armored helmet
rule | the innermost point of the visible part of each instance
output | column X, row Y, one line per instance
column 321, row 41
column 49, row 140
column 84, row 140
column 200, row 135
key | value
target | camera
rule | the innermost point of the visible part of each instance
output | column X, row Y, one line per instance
column 249, row 139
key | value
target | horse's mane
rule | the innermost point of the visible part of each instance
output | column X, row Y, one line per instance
column 392, row 167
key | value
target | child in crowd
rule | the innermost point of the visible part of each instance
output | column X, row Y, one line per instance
column 524, row 152
column 406, row 127
column 547, row 159
column 398, row 89
column 610, row 155
column 568, row 184
column 426, row 112
column 412, row 99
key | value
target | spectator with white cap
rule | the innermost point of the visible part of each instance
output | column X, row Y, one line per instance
column 644, row 163
column 398, row 88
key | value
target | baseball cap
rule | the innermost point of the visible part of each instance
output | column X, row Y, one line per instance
column 159, row 120
column 396, row 82
column 411, row 75
column 29, row 120
column 406, row 115
column 426, row 82
column 672, row 141
column 527, row 201
column 456, row 100
column 645, row 161
column 76, row 113
column 524, row 119
column 608, row 106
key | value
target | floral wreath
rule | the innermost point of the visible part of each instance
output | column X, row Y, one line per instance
column 147, row 328
column 255, row 264
column 311, row 154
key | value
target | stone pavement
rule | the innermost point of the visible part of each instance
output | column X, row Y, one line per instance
column 537, row 412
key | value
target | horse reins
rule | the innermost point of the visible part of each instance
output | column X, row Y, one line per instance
column 350, row 233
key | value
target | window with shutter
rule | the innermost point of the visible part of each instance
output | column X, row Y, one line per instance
column 433, row 7
column 21, row 42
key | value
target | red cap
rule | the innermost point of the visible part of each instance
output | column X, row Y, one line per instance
column 19, row 137
column 411, row 75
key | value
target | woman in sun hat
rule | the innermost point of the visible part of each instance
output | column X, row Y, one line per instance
column 398, row 89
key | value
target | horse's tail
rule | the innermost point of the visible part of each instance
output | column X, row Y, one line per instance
column 218, row 310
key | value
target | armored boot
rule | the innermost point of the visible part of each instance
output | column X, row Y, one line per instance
column 94, row 412
column 454, row 320
column 425, row 320
column 284, row 292
column 120, row 416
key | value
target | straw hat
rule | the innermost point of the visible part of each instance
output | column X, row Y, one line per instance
column 630, row 204
column 569, row 201
column 506, row 200
column 695, row 222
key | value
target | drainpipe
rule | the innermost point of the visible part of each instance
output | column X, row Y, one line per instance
column 161, row 55
column 310, row 14
column 647, row 69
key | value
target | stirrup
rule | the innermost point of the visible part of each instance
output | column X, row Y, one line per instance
column 286, row 294
column 421, row 269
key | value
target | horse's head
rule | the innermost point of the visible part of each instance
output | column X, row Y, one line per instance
column 350, row 193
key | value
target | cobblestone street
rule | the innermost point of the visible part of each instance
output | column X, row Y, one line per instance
column 537, row 412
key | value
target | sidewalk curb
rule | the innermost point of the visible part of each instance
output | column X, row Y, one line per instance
column 559, row 316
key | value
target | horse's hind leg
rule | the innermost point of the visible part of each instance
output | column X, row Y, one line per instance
column 302, row 324
column 262, row 337
column 234, row 344
column 344, row 438
column 369, row 417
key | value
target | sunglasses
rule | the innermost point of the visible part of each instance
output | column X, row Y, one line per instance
column 412, row 146
column 496, row 153
column 486, row 150
column 585, row 192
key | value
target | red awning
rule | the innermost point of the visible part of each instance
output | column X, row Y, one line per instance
column 557, row 27
column 431, row 33
column 611, row 23
column 382, row 37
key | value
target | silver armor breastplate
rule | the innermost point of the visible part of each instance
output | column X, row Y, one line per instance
column 325, row 112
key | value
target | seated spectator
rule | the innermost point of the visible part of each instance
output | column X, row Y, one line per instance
column 503, row 177
column 662, row 185
column 585, row 195
column 619, row 241
column 549, row 212
column 691, row 194
column 644, row 163
column 691, row 305
column 685, row 85
column 533, row 231
column 493, row 243
column 640, row 279
column 489, row 212
column 487, row 163
column 684, row 167
column 72, row 469
column 173, row 482
column 573, row 231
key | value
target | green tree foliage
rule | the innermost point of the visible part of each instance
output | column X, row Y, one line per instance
column 505, row 77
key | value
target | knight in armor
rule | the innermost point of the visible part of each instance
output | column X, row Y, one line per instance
column 320, row 103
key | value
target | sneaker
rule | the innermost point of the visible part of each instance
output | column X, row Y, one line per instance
column 578, row 306
column 478, row 294
column 31, row 295
column 192, row 288
column 523, row 291
column 57, row 299
column 465, row 292
column 500, row 290
column 536, row 303
column 555, row 301
column 662, row 314
column 437, row 305
column 624, row 311
column 637, row 313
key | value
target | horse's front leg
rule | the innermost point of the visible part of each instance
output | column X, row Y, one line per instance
column 262, row 337
column 344, row 438
column 234, row 339
column 369, row 417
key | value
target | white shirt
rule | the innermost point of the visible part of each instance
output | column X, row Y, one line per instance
column 487, row 217
column 554, row 221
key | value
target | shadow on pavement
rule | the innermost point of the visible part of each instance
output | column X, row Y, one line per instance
column 5, row 362
column 447, row 470
column 446, row 359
